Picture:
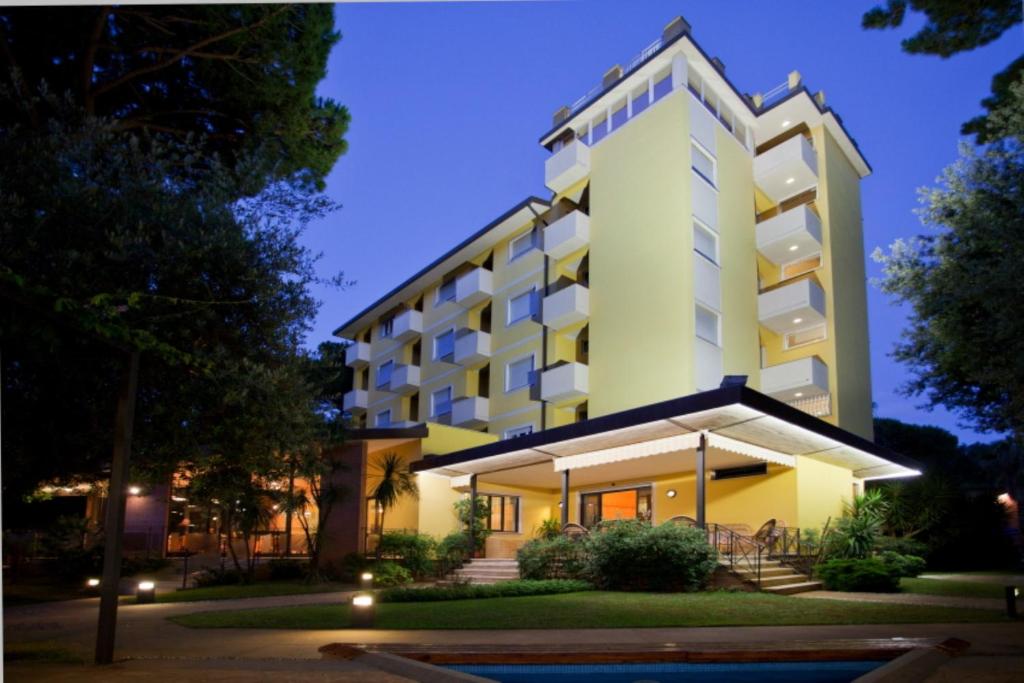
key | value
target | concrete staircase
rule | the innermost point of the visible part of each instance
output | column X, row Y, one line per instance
column 487, row 570
column 776, row 578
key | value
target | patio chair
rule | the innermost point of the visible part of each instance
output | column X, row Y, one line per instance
column 767, row 535
column 681, row 519
column 574, row 531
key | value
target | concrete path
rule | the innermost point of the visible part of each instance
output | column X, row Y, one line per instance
column 909, row 599
column 998, row 579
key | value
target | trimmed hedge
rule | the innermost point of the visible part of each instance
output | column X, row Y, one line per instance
column 554, row 558
column 504, row 589
column 387, row 574
column 414, row 550
column 869, row 575
column 632, row 555
column 902, row 565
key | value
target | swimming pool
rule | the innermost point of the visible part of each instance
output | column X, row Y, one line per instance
column 670, row 672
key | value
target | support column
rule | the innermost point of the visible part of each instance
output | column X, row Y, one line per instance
column 472, row 515
column 701, row 457
column 679, row 71
column 565, row 497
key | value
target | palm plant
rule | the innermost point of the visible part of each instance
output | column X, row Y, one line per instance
column 394, row 481
column 859, row 528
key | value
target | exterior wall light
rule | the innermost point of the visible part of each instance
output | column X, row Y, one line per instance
column 366, row 580
column 145, row 593
column 362, row 611
column 671, row 493
column 134, row 490
column 92, row 583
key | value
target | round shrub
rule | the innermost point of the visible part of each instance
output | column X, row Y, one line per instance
column 416, row 551
column 633, row 555
column 902, row 565
column 903, row 546
column 554, row 558
column 387, row 574
column 868, row 575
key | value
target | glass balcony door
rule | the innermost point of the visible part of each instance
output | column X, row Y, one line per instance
column 599, row 506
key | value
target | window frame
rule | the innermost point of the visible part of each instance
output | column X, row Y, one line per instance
column 532, row 235
column 702, row 150
column 438, row 301
column 508, row 372
column 376, row 418
column 437, row 356
column 532, row 294
column 718, row 325
column 518, row 514
column 433, row 401
column 386, row 327
column 377, row 383
column 698, row 225
column 508, row 433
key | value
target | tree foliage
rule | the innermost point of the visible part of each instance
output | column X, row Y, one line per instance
column 394, row 481
column 953, row 26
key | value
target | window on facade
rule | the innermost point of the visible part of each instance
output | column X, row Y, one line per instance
column 518, row 373
column 610, row 505
column 705, row 242
column 504, row 513
column 598, row 130
column 444, row 345
column 662, row 84
column 707, row 325
column 441, row 402
column 446, row 292
column 808, row 336
column 702, row 162
column 521, row 307
column 383, row 418
column 384, row 373
column 387, row 327
column 522, row 245
column 800, row 267
column 641, row 98
column 619, row 115
column 513, row 432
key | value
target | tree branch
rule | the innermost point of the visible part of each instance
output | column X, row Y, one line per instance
column 89, row 58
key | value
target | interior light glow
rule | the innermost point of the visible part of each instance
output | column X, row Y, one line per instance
column 790, row 181
column 146, row 585
column 794, row 247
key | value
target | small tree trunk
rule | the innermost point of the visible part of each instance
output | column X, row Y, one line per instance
column 380, row 534
column 231, row 545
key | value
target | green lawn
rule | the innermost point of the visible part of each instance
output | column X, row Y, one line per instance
column 947, row 587
column 594, row 609
column 254, row 590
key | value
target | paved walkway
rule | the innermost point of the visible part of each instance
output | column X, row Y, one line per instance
column 998, row 579
column 909, row 599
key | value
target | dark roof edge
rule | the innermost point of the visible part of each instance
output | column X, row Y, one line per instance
column 707, row 400
column 464, row 243
column 419, row 431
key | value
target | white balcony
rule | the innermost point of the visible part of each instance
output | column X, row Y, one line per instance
column 471, row 412
column 786, row 169
column 408, row 324
column 790, row 236
column 565, row 384
column 405, row 379
column 567, row 306
column 792, row 307
column 474, row 287
column 472, row 348
column 355, row 401
column 568, row 234
column 357, row 355
column 796, row 380
column 567, row 166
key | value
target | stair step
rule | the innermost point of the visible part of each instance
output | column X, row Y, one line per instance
column 791, row 588
column 785, row 580
column 495, row 575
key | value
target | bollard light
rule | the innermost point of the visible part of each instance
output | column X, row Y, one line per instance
column 1011, row 593
column 145, row 593
column 366, row 580
column 362, row 611
column 92, row 583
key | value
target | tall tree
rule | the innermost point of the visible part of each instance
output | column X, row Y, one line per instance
column 953, row 26
column 394, row 482
column 965, row 340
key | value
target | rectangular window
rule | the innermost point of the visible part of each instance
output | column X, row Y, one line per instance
column 619, row 116
column 702, row 162
column 521, row 307
column 694, row 83
column 387, row 327
column 518, row 373
column 707, row 325
column 808, row 336
column 619, row 504
column 444, row 345
column 383, row 418
column 446, row 292
column 662, row 84
column 705, row 242
column 504, row 515
column 641, row 98
column 441, row 402
column 384, row 373
column 513, row 432
column 598, row 130
column 522, row 245
column 800, row 267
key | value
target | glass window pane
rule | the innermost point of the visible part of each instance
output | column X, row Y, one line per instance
column 519, row 373
column 384, row 373
column 494, row 523
column 442, row 401
column 383, row 418
column 705, row 243
column 444, row 344
column 446, row 292
column 520, row 307
column 511, row 517
column 599, row 130
column 663, row 85
column 619, row 116
column 521, row 245
column 641, row 98
column 702, row 163
column 707, row 325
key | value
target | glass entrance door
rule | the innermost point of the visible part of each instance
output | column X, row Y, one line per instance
column 619, row 504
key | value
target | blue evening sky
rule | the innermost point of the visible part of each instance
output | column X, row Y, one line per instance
column 448, row 101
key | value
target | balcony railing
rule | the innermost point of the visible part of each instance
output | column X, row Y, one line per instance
column 567, row 166
column 355, row 401
column 470, row 412
column 786, row 169
column 565, row 384
column 407, row 325
column 796, row 380
column 568, row 234
column 405, row 379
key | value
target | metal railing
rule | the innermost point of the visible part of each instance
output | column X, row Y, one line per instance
column 631, row 66
column 775, row 94
column 742, row 553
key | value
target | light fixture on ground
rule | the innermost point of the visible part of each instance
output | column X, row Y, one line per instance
column 134, row 490
column 362, row 611
column 366, row 580
column 92, row 582
column 145, row 593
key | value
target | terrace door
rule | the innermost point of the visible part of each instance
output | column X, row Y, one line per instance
column 620, row 504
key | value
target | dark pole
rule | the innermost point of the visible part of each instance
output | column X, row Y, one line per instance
column 565, row 497
column 288, row 511
column 472, row 515
column 701, row 453
column 113, row 530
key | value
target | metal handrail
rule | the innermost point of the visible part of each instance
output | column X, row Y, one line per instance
column 631, row 65
column 740, row 550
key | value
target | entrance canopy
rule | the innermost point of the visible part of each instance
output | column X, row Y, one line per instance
column 737, row 423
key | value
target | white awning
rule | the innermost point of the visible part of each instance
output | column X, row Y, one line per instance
column 683, row 442
column 750, row 450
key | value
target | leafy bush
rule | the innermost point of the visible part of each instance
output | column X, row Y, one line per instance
column 504, row 589
column 810, row 541
column 387, row 574
column 214, row 576
column 902, row 565
column 347, row 570
column 415, row 550
column 549, row 529
column 901, row 545
column 633, row 555
column 857, row 531
column 463, row 510
column 452, row 551
column 130, row 566
column 556, row 558
column 859, row 575
column 287, row 569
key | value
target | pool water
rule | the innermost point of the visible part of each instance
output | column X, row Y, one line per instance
column 819, row 672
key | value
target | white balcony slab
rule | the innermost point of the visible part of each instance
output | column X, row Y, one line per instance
column 474, row 287
column 471, row 412
column 565, row 384
column 790, row 236
column 567, row 166
column 567, row 235
column 472, row 348
column 408, row 325
column 567, row 306
column 796, row 380
column 792, row 307
column 786, row 169
column 357, row 355
column 405, row 379
column 355, row 401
